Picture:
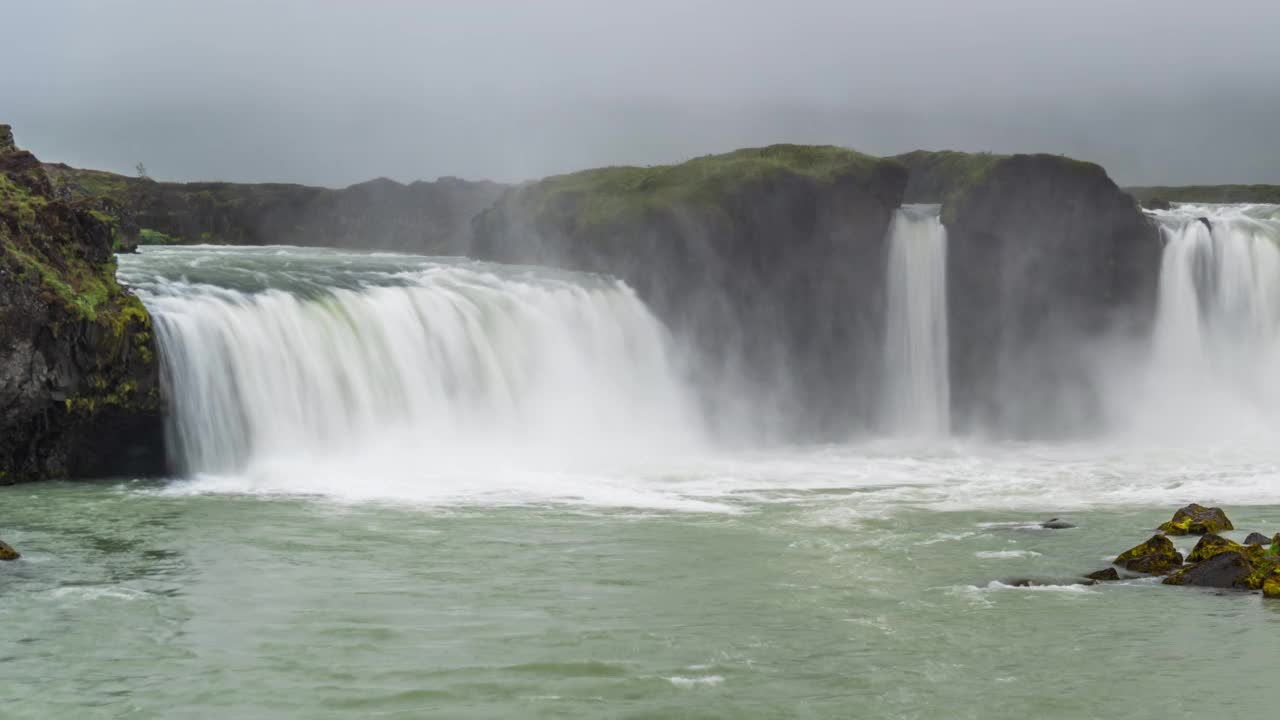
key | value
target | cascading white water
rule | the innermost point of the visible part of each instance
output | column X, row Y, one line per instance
column 1216, row 343
column 403, row 367
column 917, row 390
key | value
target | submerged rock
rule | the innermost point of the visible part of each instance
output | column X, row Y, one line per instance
column 7, row 552
column 1156, row 556
column 1197, row 519
column 1226, row 570
column 1104, row 575
column 1257, row 538
column 1056, row 524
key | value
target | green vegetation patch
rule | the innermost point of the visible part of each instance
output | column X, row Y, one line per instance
column 1208, row 193
column 614, row 195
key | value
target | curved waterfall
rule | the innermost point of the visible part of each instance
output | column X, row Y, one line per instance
column 917, row 389
column 1216, row 343
column 279, row 357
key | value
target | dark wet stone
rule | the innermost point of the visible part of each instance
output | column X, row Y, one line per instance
column 7, row 552
column 1257, row 538
column 1056, row 524
column 1104, row 575
column 1226, row 570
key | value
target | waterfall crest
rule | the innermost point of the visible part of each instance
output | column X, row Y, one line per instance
column 1216, row 342
column 284, row 357
column 917, row 390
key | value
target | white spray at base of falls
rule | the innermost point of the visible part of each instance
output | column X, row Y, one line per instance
column 1215, row 349
column 916, row 397
column 367, row 371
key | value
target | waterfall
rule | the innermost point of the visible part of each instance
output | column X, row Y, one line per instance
column 917, row 392
column 278, row 357
column 1216, row 342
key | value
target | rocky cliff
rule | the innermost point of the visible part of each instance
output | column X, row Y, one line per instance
column 79, row 381
column 422, row 217
column 769, row 262
column 1046, row 255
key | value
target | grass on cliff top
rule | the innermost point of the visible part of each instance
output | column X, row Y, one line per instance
column 1208, row 193
column 42, row 258
column 611, row 194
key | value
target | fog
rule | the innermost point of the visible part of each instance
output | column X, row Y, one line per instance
column 1159, row 91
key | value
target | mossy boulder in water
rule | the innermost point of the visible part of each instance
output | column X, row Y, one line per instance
column 1107, row 575
column 1211, row 545
column 1224, row 570
column 1197, row 519
column 1257, row 538
column 1156, row 556
column 7, row 552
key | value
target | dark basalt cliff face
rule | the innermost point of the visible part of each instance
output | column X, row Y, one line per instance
column 79, row 381
column 1045, row 256
column 422, row 217
column 769, row 262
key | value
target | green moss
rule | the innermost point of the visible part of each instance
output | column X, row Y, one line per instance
column 615, row 195
column 147, row 236
column 1154, row 556
column 1196, row 519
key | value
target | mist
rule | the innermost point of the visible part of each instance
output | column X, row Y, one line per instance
column 334, row 93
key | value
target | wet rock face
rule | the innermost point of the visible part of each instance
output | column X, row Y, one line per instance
column 1156, row 556
column 1044, row 253
column 1211, row 545
column 1196, row 519
column 1257, row 538
column 768, row 266
column 1225, row 570
column 79, row 381
column 1108, row 575
column 1271, row 585
column 6, row 550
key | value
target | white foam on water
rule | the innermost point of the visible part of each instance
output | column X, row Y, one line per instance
column 1006, row 554
column 690, row 682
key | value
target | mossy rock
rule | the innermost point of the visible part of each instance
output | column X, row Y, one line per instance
column 7, row 552
column 1271, row 585
column 1228, row 570
column 1196, row 519
column 1156, row 556
column 1212, row 544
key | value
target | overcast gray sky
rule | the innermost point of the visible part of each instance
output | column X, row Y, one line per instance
column 330, row 92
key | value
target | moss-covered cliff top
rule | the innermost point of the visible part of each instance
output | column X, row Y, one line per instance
column 1207, row 193
column 617, row 194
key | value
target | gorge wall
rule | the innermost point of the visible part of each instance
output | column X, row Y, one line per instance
column 768, row 262
column 432, row 218
column 1046, row 257
column 79, row 379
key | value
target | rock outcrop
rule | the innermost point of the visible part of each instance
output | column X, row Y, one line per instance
column 421, row 217
column 79, row 381
column 1196, row 519
column 7, row 553
column 1154, row 557
column 1045, row 255
column 770, row 262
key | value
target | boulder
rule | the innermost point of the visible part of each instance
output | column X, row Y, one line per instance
column 1104, row 575
column 1271, row 585
column 6, row 550
column 1156, row 556
column 1257, row 538
column 1056, row 524
column 1197, row 519
column 1211, row 545
column 1225, row 570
